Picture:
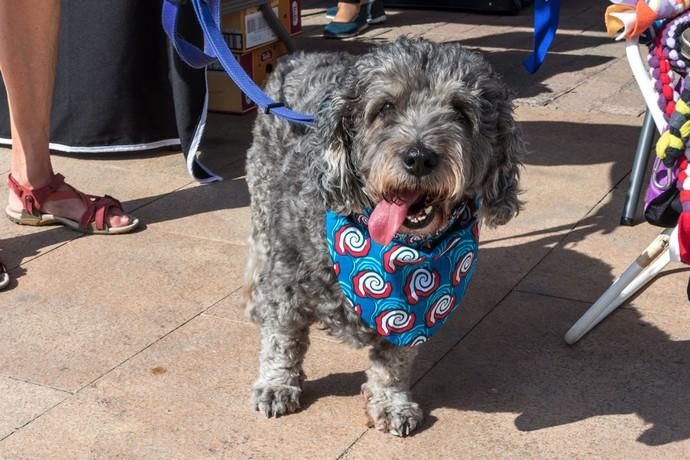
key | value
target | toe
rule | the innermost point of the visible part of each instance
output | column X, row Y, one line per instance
column 119, row 221
column 274, row 401
column 117, row 218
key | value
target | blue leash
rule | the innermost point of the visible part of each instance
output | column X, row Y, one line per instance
column 215, row 48
column 546, row 15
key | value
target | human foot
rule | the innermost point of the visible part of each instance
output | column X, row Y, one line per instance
column 349, row 21
column 375, row 12
column 346, row 12
column 60, row 203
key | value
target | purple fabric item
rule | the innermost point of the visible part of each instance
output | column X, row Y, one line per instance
column 662, row 179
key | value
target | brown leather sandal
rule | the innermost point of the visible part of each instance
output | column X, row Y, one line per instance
column 92, row 221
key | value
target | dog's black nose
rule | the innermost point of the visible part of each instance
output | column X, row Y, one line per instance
column 420, row 161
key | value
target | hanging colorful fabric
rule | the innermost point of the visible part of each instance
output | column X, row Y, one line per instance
column 667, row 62
column 672, row 149
column 630, row 18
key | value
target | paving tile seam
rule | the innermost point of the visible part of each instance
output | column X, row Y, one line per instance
column 249, row 323
column 225, row 318
column 196, row 237
column 160, row 197
column 313, row 12
column 134, row 209
column 78, row 236
column 74, row 394
column 610, row 111
column 559, row 94
column 518, row 282
column 517, row 238
column 17, row 429
column 584, row 80
column 596, row 31
column 565, row 33
column 551, row 296
column 112, row 165
column 49, row 251
column 473, row 28
column 344, row 453
column 42, row 385
column 180, row 325
column 551, row 53
column 540, row 106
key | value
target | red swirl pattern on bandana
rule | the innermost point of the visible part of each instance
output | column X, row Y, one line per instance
column 462, row 267
column 394, row 322
column 440, row 309
column 399, row 256
column 351, row 241
column 421, row 283
column 370, row 284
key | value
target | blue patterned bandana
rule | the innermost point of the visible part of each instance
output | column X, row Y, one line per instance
column 407, row 289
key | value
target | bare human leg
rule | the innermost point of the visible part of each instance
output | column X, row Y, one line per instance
column 28, row 54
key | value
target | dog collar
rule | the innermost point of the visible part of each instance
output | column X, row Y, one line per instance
column 407, row 289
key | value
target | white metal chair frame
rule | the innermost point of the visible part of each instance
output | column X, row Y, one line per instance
column 657, row 255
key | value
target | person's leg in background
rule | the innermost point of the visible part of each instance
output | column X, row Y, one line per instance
column 28, row 54
column 350, row 17
column 348, row 10
column 377, row 13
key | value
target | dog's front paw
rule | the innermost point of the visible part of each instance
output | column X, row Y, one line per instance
column 275, row 400
column 396, row 415
column 396, row 419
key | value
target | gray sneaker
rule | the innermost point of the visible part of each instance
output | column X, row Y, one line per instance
column 376, row 13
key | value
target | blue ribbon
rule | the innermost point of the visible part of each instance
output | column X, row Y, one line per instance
column 546, row 14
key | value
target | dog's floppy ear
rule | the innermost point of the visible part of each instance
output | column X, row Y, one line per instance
column 500, row 187
column 337, row 120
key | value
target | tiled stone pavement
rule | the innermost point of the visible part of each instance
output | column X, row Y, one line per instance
column 137, row 347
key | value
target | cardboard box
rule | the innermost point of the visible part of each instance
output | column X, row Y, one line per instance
column 223, row 94
column 290, row 13
column 247, row 29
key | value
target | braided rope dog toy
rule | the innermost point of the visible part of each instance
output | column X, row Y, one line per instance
column 672, row 144
column 665, row 60
column 672, row 147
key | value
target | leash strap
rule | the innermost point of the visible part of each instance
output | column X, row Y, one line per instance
column 189, row 53
column 546, row 13
column 215, row 47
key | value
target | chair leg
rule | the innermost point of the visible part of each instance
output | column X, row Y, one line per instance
column 639, row 273
column 642, row 152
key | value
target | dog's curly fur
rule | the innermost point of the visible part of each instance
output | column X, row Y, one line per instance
column 369, row 109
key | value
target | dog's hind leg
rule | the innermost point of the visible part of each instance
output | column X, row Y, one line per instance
column 387, row 390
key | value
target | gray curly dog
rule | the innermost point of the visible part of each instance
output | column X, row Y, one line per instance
column 409, row 116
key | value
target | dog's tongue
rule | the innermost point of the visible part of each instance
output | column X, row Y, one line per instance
column 387, row 217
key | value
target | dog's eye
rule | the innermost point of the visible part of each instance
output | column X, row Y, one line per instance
column 385, row 108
